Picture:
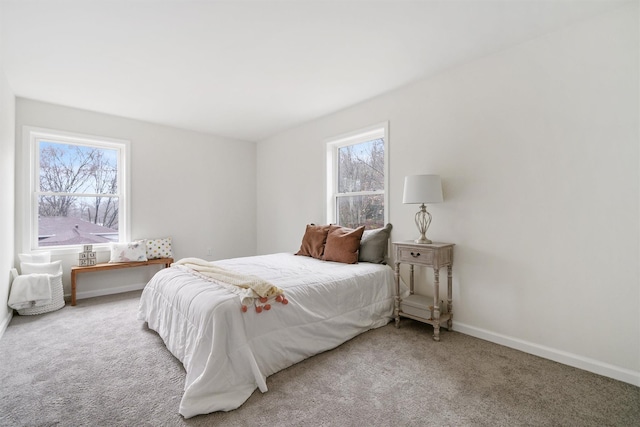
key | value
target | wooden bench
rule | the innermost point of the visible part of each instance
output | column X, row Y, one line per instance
column 166, row 262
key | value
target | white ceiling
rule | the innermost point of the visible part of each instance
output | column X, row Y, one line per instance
column 250, row 69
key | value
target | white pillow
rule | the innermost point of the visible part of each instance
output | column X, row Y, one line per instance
column 129, row 252
column 35, row 257
column 54, row 267
column 159, row 248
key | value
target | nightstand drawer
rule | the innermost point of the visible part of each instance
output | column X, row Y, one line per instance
column 415, row 255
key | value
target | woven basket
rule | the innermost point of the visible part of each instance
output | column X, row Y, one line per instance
column 57, row 299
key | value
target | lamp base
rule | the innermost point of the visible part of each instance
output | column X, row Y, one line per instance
column 423, row 240
column 423, row 219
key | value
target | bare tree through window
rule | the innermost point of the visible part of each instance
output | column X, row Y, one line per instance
column 360, row 197
column 79, row 183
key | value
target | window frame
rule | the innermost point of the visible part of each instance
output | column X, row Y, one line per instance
column 332, row 145
column 31, row 137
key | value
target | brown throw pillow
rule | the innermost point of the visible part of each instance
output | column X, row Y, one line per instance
column 313, row 241
column 343, row 244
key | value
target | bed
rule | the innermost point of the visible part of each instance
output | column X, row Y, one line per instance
column 228, row 353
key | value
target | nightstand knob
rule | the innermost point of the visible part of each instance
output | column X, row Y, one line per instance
column 415, row 255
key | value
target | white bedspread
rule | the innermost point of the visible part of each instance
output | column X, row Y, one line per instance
column 227, row 354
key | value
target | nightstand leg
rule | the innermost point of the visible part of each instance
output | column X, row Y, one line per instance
column 450, row 296
column 396, row 309
column 411, row 279
column 436, row 305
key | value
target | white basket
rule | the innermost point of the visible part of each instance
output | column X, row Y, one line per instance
column 57, row 299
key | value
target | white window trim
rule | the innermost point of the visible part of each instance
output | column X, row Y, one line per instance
column 30, row 136
column 331, row 174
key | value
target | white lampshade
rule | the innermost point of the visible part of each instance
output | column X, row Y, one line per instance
column 422, row 189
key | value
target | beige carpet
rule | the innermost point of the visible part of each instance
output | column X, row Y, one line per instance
column 96, row 365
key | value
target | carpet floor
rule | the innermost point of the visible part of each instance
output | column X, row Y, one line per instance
column 95, row 364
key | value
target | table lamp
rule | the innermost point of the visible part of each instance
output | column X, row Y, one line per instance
column 422, row 189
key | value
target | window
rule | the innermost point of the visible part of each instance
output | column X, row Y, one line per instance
column 78, row 188
column 357, row 175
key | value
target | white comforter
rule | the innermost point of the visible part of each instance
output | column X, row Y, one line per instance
column 227, row 353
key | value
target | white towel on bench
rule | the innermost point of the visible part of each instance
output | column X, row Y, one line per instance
column 30, row 290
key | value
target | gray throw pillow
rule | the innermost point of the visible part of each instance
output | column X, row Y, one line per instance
column 373, row 245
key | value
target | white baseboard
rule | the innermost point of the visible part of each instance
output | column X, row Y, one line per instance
column 107, row 291
column 577, row 361
column 5, row 322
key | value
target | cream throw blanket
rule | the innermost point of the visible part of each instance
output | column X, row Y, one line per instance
column 249, row 288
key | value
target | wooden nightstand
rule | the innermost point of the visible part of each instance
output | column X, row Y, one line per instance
column 436, row 256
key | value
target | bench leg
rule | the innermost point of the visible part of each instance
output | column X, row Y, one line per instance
column 73, row 287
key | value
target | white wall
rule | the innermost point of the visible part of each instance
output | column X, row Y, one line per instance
column 537, row 147
column 196, row 188
column 7, row 195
